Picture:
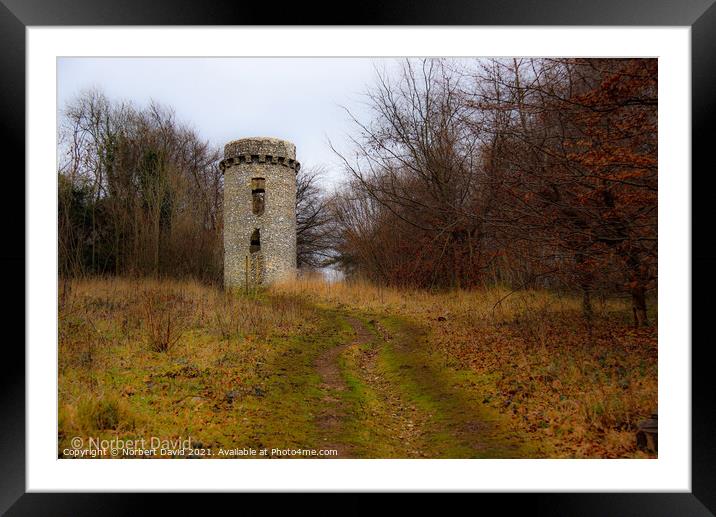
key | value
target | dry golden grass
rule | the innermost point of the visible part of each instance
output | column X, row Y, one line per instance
column 584, row 391
column 122, row 342
column 147, row 357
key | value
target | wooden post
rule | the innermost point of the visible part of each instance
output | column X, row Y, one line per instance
column 246, row 271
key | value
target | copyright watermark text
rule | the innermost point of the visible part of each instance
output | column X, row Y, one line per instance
column 155, row 447
column 95, row 447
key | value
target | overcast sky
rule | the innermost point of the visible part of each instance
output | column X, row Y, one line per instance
column 298, row 99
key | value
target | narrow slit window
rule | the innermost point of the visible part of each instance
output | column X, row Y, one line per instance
column 258, row 195
column 255, row 244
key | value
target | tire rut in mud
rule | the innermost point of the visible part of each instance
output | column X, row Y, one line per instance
column 334, row 410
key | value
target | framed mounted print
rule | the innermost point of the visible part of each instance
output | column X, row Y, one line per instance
column 432, row 251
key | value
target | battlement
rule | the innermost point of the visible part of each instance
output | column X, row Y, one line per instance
column 260, row 158
column 260, row 150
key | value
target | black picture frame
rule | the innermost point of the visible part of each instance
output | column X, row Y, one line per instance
column 700, row 15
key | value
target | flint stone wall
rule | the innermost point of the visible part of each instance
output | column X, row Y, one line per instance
column 275, row 161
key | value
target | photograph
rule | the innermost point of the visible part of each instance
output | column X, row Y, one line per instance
column 421, row 249
column 357, row 257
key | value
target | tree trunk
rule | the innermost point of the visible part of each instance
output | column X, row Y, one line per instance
column 585, row 284
column 157, row 229
column 587, row 310
column 638, row 304
column 639, row 278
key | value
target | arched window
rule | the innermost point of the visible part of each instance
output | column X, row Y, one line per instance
column 255, row 244
column 258, row 195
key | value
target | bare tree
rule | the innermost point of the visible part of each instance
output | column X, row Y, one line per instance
column 418, row 160
column 313, row 220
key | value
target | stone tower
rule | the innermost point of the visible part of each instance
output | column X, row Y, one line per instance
column 259, row 211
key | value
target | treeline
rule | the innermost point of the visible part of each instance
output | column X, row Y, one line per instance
column 525, row 172
column 140, row 194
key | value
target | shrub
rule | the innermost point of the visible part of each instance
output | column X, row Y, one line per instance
column 165, row 312
column 99, row 413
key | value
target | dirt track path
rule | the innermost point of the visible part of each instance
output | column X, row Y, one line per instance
column 398, row 426
column 334, row 411
column 383, row 396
